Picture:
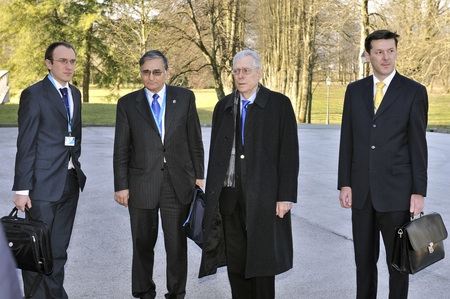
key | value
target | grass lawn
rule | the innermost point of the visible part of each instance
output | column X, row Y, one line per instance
column 101, row 108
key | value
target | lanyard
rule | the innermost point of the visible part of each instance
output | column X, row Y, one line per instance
column 69, row 123
column 161, row 112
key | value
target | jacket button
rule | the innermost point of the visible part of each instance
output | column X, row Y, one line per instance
column 374, row 125
column 373, row 147
column 242, row 156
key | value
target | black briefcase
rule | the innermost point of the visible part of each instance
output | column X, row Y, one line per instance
column 29, row 241
column 194, row 221
column 419, row 243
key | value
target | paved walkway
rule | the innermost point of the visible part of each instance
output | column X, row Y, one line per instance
column 99, row 263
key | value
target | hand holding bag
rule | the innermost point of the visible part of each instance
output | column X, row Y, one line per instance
column 419, row 243
column 29, row 241
column 194, row 222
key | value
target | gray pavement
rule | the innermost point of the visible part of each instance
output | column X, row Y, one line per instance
column 99, row 264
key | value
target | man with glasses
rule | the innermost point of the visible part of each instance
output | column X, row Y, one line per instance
column 251, row 184
column 48, row 176
column 158, row 161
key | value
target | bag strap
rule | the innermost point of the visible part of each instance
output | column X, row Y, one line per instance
column 14, row 212
column 35, row 285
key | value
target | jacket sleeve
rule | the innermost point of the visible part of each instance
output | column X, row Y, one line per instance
column 346, row 145
column 417, row 143
column 121, row 156
column 288, row 164
column 28, row 120
column 195, row 138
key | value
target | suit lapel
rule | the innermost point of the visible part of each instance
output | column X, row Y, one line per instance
column 76, row 106
column 143, row 107
column 391, row 95
column 367, row 93
column 54, row 96
column 172, row 110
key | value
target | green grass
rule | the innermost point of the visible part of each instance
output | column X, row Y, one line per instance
column 101, row 108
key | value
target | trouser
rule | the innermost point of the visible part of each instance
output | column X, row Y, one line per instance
column 144, row 230
column 59, row 216
column 367, row 225
column 260, row 287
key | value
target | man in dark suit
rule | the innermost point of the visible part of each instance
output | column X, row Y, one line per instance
column 251, row 184
column 158, row 160
column 382, row 160
column 48, row 176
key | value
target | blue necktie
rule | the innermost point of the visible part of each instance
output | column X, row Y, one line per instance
column 244, row 112
column 156, row 109
column 65, row 96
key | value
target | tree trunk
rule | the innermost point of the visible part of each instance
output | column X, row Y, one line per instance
column 364, row 69
column 308, row 64
column 87, row 65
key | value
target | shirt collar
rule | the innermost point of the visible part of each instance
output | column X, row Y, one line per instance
column 251, row 99
column 161, row 94
column 386, row 81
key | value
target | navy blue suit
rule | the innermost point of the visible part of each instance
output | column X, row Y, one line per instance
column 42, row 167
column 383, row 158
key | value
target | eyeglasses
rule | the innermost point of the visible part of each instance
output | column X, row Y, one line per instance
column 244, row 71
column 155, row 73
column 65, row 61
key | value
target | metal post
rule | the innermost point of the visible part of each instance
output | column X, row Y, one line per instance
column 328, row 80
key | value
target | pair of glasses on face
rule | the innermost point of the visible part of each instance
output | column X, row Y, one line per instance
column 244, row 71
column 64, row 61
column 155, row 73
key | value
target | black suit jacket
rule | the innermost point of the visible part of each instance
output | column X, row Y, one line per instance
column 384, row 154
column 139, row 152
column 42, row 158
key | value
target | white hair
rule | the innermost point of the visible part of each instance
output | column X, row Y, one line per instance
column 244, row 53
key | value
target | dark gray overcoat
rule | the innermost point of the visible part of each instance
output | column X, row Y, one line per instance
column 272, row 162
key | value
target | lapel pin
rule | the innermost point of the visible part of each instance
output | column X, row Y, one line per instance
column 174, row 101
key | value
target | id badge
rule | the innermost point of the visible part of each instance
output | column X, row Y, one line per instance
column 69, row 141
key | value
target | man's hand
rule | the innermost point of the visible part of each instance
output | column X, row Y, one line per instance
column 417, row 204
column 283, row 208
column 200, row 183
column 345, row 197
column 21, row 201
column 122, row 197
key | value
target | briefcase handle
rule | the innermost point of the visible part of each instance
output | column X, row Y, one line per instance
column 14, row 212
column 411, row 215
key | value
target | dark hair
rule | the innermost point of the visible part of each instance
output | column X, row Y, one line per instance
column 152, row 55
column 52, row 47
column 380, row 34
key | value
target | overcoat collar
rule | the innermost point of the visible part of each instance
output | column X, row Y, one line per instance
column 261, row 98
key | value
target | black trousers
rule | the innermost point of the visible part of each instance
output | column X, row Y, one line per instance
column 260, row 287
column 367, row 225
column 59, row 216
column 144, row 230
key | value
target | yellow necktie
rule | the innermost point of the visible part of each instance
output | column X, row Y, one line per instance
column 378, row 96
